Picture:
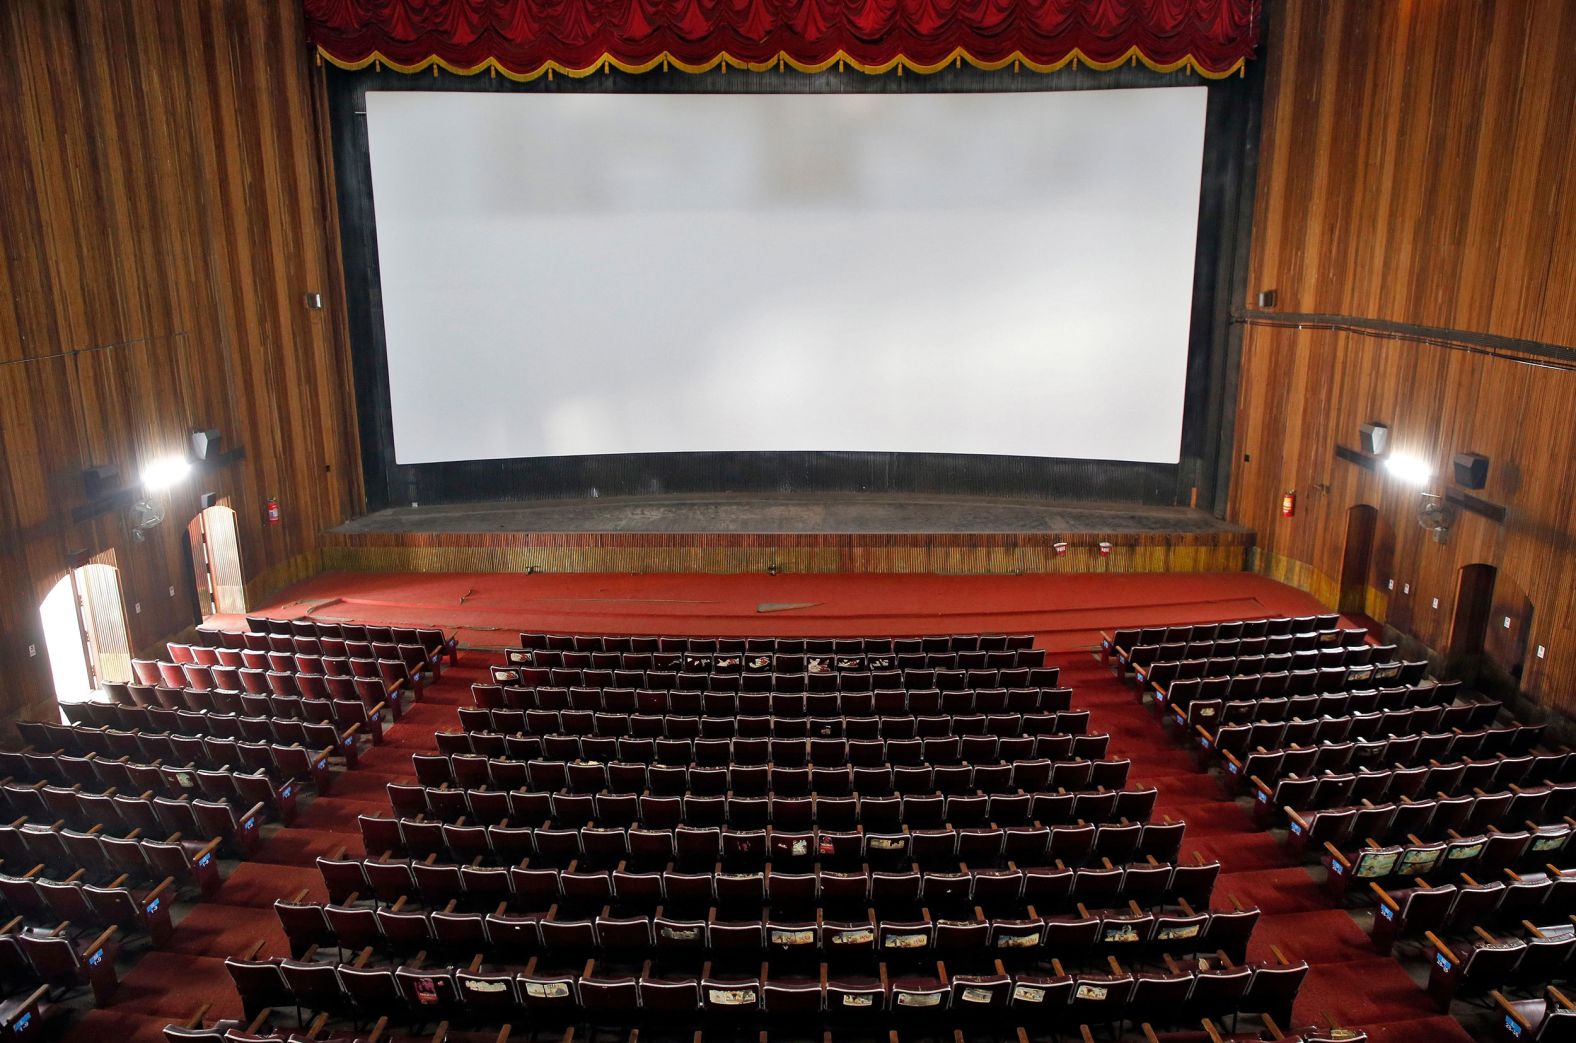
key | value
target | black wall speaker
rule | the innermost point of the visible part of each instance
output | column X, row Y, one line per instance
column 1471, row 470
column 208, row 500
column 99, row 482
column 205, row 443
column 1376, row 439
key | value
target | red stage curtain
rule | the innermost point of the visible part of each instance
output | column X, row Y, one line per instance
column 523, row 39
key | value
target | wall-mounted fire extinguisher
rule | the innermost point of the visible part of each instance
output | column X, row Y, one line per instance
column 272, row 509
column 1289, row 504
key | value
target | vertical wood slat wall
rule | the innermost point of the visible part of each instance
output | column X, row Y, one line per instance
column 163, row 209
column 1417, row 166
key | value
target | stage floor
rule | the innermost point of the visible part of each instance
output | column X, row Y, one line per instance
column 1065, row 612
column 823, row 513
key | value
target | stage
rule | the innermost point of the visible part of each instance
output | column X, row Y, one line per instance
column 795, row 533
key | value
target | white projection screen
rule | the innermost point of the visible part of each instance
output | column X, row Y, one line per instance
column 588, row 273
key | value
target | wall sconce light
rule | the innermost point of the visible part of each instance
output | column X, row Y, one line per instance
column 1105, row 549
column 1060, row 547
column 1413, row 470
column 165, row 472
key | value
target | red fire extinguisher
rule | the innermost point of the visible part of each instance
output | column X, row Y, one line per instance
column 272, row 507
column 1289, row 504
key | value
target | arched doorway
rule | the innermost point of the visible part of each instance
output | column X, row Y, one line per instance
column 85, row 631
column 215, row 544
column 1362, row 522
column 1474, row 606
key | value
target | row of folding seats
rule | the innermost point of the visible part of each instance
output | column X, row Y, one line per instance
column 139, row 860
column 207, row 827
column 588, row 722
column 312, row 661
column 254, row 728
column 363, row 703
column 1238, row 739
column 978, row 750
column 124, row 812
column 676, row 939
column 435, row 640
column 773, row 645
column 274, row 759
column 1328, row 648
column 1251, row 708
column 52, row 958
column 713, row 741
column 40, row 899
column 1489, row 962
column 1409, row 786
column 91, row 778
column 1229, row 662
column 306, row 655
column 632, row 777
column 1026, row 846
column 539, row 994
column 541, row 890
column 1467, row 816
column 510, row 702
column 1456, row 909
column 1121, row 641
column 1392, row 674
column 1258, row 684
column 1001, row 725
column 850, row 681
column 781, row 663
column 927, row 811
column 831, row 714
column 1435, row 747
column 1533, row 846
column 336, row 678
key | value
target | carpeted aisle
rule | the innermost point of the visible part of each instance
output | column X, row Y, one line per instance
column 1347, row 981
column 1066, row 612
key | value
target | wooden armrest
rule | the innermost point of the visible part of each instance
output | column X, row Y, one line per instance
column 196, row 1019
column 1560, row 998
column 1434, row 940
column 1507, row 1009
column 103, row 939
column 1384, row 897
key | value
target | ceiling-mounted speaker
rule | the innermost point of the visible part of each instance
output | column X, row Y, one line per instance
column 1376, row 439
column 1471, row 470
column 205, row 443
column 99, row 482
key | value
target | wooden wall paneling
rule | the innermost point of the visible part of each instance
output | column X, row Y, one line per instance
column 1413, row 166
column 163, row 215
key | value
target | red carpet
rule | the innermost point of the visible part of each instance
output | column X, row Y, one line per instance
column 1066, row 612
